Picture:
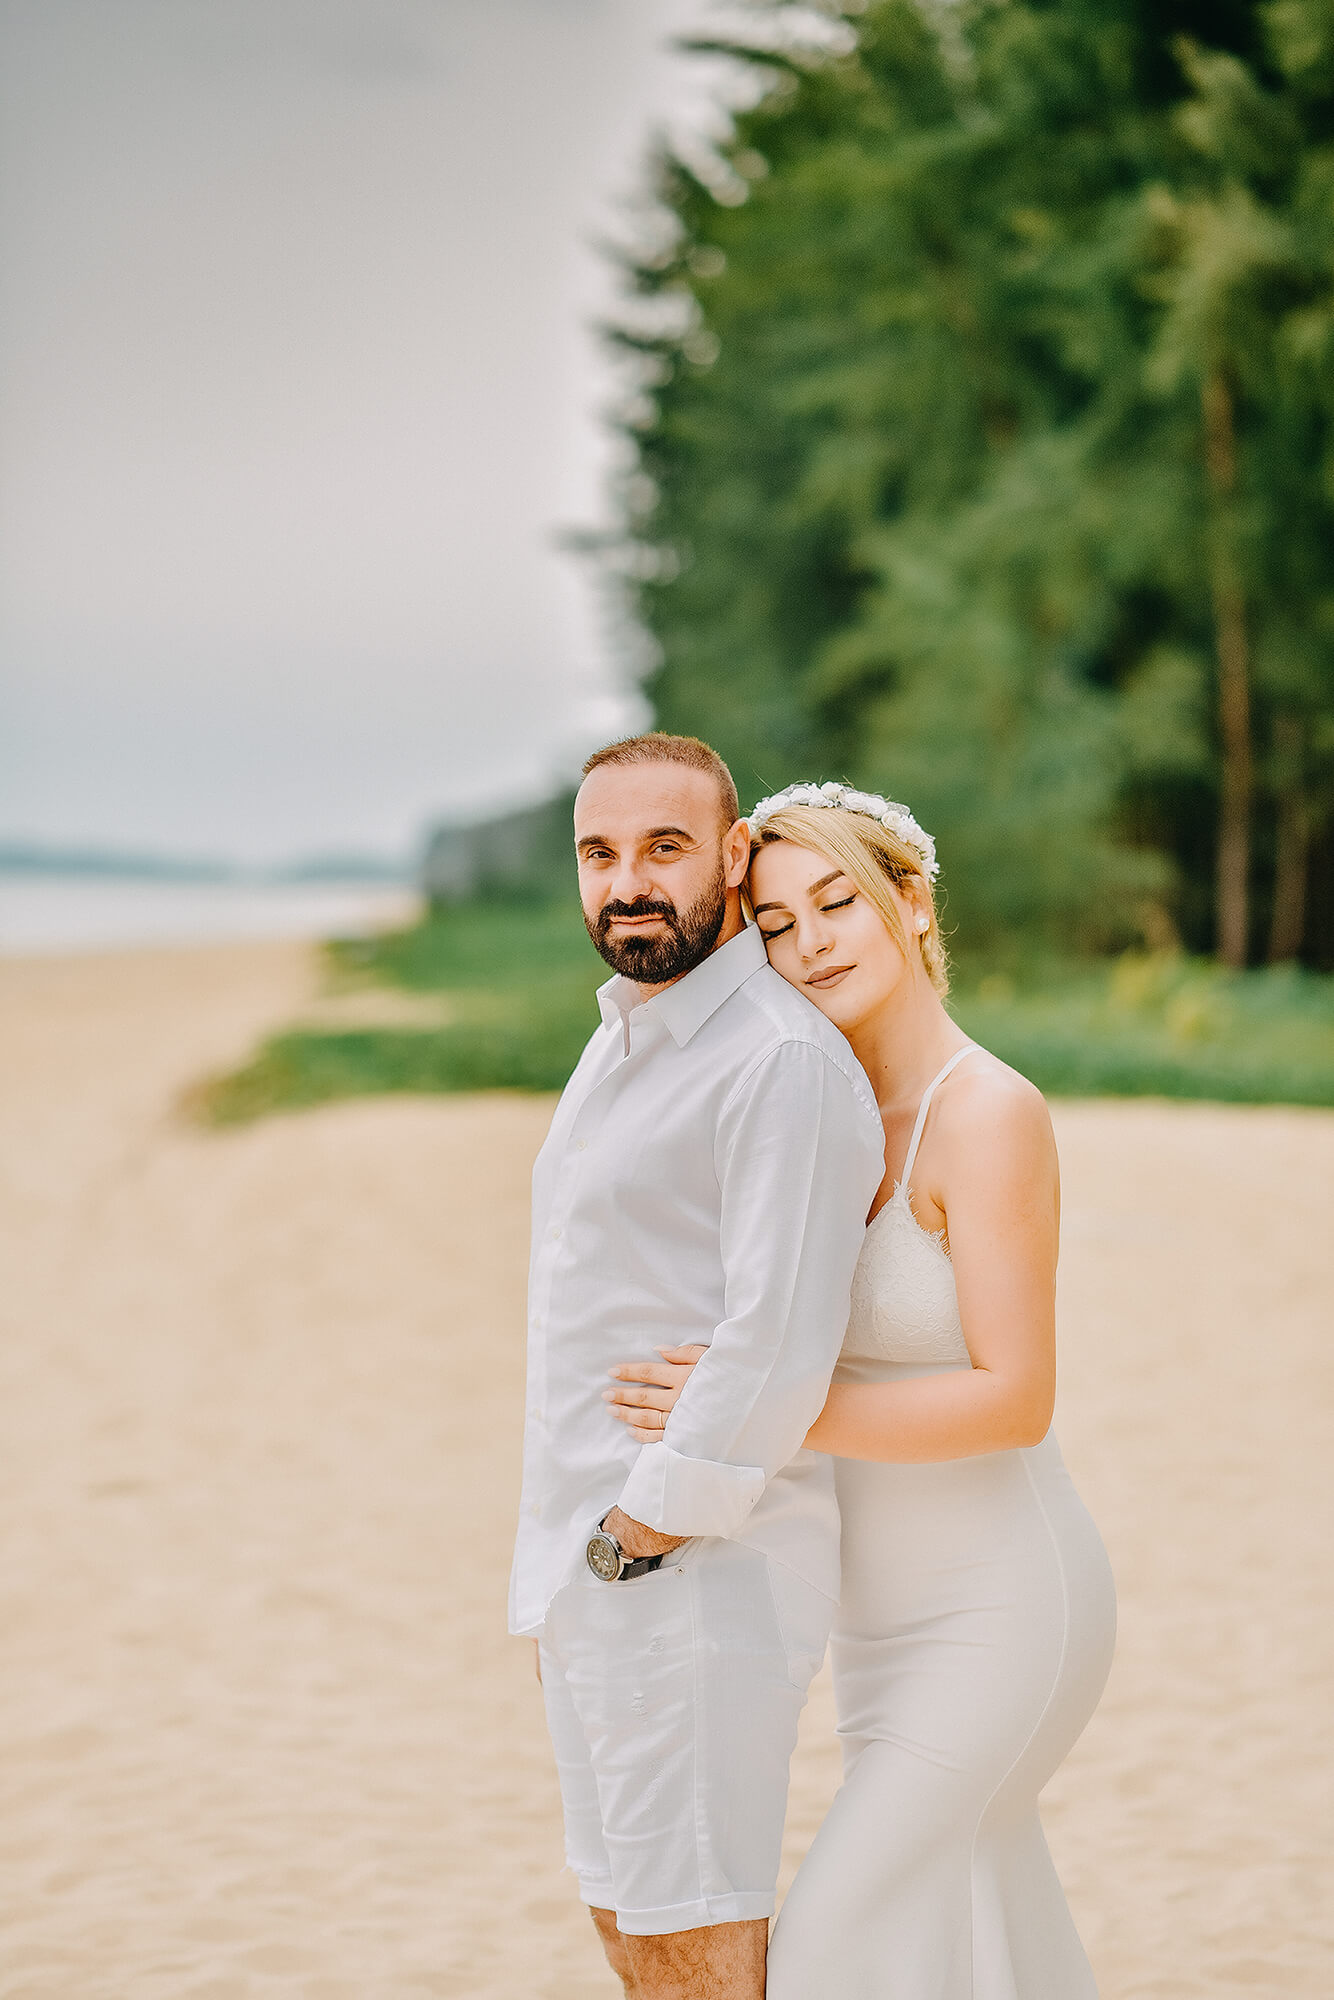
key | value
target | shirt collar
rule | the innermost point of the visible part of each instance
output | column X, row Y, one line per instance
column 688, row 1003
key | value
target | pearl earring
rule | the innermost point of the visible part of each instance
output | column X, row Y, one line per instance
column 924, row 923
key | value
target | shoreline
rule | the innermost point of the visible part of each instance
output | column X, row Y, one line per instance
column 58, row 916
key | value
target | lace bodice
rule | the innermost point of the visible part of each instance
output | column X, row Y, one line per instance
column 904, row 1304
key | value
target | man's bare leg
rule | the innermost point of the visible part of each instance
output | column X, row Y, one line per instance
column 721, row 1962
column 618, row 1958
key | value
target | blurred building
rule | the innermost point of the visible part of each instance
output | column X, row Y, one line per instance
column 528, row 852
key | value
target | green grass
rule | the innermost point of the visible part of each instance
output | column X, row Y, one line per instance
column 500, row 946
column 520, row 980
column 1162, row 1027
column 520, row 977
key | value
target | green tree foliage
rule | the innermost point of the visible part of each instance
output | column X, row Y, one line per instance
column 984, row 448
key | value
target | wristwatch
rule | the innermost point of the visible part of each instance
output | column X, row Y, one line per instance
column 608, row 1560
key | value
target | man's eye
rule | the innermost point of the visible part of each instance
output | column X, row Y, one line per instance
column 666, row 847
column 840, row 906
column 768, row 936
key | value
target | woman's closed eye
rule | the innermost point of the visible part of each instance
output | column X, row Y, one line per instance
column 825, row 908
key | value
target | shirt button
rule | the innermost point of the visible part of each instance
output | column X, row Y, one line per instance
column 581, row 1145
column 555, row 1235
column 536, row 1412
column 534, row 1510
column 537, row 1322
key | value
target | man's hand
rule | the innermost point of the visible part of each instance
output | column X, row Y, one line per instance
column 636, row 1539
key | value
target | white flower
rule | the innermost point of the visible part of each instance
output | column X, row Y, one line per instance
column 886, row 812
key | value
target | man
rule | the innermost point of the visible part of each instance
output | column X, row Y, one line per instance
column 706, row 1179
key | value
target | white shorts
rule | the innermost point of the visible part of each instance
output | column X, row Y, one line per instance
column 672, row 1702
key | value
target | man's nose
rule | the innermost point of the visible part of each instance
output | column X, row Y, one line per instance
column 631, row 883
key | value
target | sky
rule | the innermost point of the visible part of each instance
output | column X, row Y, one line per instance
column 299, row 393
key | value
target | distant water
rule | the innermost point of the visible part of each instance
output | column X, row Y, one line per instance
column 65, row 913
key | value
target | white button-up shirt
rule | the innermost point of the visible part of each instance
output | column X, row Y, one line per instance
column 706, row 1178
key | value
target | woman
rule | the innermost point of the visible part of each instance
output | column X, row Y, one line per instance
column 976, row 1624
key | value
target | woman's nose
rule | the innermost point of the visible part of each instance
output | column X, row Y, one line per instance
column 815, row 943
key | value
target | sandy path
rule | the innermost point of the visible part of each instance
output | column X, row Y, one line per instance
column 261, row 1732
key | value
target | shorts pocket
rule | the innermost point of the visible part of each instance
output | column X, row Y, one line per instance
column 672, row 1564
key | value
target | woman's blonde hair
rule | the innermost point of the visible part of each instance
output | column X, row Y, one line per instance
column 874, row 857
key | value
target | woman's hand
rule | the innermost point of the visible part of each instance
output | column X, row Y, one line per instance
column 646, row 1391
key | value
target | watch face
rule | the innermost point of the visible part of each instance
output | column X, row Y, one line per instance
column 604, row 1558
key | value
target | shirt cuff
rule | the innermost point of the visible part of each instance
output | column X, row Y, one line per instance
column 675, row 1495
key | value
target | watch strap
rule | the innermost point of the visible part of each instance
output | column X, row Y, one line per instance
column 641, row 1566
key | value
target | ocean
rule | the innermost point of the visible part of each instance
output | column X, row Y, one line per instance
column 42, row 913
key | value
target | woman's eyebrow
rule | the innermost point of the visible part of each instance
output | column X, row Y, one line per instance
column 758, row 908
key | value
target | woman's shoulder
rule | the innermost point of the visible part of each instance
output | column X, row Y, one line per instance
column 984, row 1103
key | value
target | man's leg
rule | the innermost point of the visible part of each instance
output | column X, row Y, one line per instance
column 585, row 1853
column 686, row 1686
column 618, row 1958
column 723, row 1962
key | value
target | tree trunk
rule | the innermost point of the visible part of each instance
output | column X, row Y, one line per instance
column 1293, row 845
column 1234, row 675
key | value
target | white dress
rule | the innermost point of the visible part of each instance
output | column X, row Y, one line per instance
column 971, row 1645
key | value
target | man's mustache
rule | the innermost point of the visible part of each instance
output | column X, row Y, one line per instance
column 643, row 907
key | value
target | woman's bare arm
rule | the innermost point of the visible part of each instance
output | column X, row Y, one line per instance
column 994, row 1178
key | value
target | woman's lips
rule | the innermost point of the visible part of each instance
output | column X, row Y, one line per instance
column 831, row 975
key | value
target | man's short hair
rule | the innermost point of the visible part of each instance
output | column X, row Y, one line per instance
column 657, row 747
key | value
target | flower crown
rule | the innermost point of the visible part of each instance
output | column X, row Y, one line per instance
column 897, row 818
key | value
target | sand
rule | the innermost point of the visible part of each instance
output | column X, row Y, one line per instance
column 261, row 1730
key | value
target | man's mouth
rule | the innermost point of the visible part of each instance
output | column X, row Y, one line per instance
column 830, row 976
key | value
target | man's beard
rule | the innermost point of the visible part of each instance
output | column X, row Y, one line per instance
column 689, row 937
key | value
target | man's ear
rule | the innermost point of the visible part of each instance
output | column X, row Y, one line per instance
column 736, row 854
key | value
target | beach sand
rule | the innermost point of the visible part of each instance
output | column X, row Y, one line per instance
column 261, row 1730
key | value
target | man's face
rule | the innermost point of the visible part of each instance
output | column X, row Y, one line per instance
column 653, row 877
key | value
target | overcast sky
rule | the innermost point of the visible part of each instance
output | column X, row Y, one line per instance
column 297, row 390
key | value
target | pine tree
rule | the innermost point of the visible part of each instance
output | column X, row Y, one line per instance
column 984, row 453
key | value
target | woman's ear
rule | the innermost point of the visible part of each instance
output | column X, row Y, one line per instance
column 917, row 913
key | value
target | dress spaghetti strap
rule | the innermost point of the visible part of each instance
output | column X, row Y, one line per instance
column 968, row 1049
